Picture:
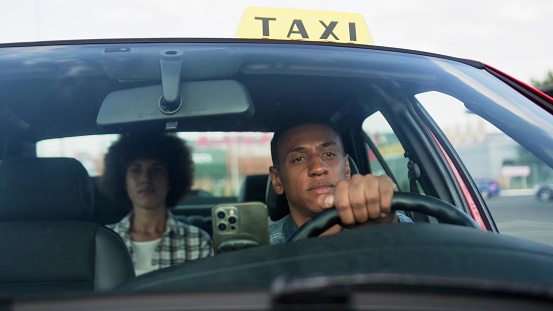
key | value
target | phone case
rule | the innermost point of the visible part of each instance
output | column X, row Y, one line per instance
column 239, row 225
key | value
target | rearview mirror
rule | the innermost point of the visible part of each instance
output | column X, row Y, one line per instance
column 199, row 101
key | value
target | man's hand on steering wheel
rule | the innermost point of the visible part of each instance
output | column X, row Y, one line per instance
column 441, row 210
column 362, row 199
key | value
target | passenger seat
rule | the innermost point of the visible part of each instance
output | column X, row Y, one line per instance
column 47, row 242
column 253, row 188
column 105, row 211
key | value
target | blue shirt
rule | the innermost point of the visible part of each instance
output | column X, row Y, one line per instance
column 282, row 230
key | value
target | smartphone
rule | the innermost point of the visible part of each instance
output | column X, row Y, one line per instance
column 239, row 225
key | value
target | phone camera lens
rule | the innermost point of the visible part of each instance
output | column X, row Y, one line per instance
column 221, row 214
column 222, row 227
column 232, row 219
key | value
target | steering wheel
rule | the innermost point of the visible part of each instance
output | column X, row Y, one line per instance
column 401, row 201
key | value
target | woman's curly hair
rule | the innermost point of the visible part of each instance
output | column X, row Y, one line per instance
column 159, row 146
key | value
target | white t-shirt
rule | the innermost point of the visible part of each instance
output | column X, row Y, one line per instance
column 143, row 253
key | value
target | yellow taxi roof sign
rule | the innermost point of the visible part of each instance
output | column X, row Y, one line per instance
column 309, row 25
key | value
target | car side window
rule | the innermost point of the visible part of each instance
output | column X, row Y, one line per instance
column 381, row 140
column 513, row 182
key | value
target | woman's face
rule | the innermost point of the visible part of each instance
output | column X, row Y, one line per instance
column 147, row 183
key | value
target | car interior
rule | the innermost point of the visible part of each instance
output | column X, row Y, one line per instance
column 54, row 208
column 46, row 207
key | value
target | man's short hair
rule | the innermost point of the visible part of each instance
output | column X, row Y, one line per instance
column 164, row 147
column 297, row 123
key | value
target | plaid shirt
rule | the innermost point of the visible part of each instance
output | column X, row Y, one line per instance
column 179, row 244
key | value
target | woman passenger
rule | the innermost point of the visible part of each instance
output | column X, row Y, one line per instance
column 149, row 173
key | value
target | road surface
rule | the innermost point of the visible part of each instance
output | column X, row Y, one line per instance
column 523, row 216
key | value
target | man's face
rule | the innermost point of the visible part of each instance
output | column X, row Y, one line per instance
column 310, row 163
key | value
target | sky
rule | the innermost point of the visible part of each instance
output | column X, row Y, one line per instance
column 511, row 35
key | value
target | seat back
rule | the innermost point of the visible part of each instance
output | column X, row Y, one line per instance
column 48, row 243
column 105, row 210
column 253, row 188
column 278, row 204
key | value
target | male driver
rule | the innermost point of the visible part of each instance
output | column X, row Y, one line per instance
column 311, row 167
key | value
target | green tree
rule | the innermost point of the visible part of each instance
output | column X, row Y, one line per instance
column 548, row 80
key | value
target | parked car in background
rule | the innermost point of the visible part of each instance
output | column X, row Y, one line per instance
column 488, row 188
column 545, row 192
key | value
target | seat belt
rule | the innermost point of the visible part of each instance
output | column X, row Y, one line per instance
column 413, row 174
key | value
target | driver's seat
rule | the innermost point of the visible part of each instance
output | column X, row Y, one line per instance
column 277, row 205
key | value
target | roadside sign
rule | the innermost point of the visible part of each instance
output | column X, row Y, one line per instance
column 515, row 171
column 308, row 25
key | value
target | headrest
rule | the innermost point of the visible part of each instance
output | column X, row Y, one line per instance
column 278, row 204
column 44, row 189
column 253, row 188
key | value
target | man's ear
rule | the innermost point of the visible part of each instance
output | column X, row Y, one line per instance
column 275, row 180
column 348, row 168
